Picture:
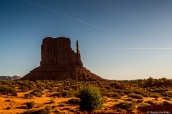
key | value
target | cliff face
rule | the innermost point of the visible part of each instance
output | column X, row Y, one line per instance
column 60, row 62
column 58, row 51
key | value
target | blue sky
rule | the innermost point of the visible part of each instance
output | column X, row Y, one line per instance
column 119, row 39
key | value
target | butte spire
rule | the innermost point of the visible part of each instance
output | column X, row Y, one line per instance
column 60, row 62
column 77, row 47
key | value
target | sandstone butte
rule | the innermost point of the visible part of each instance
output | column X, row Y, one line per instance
column 60, row 62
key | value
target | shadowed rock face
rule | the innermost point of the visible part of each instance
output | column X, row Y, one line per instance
column 60, row 62
column 57, row 51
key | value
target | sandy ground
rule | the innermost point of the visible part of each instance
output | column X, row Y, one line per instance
column 16, row 105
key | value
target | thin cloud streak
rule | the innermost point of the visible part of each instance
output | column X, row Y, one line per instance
column 67, row 16
column 129, row 49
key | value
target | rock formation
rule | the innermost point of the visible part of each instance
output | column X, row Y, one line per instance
column 60, row 62
column 10, row 77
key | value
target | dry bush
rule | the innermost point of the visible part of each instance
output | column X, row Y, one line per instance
column 90, row 99
column 136, row 96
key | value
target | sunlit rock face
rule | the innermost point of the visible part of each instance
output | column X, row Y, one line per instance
column 60, row 62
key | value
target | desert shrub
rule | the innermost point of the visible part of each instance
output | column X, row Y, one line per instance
column 119, row 91
column 54, row 83
column 4, row 89
column 62, row 104
column 8, row 108
column 164, row 103
column 74, row 101
column 150, row 102
column 145, row 94
column 136, row 96
column 135, row 85
column 90, row 99
column 167, row 98
column 117, row 85
column 150, row 81
column 8, row 100
column 156, row 107
column 26, row 85
column 9, row 83
column 142, row 105
column 108, row 87
column 141, row 92
column 125, row 105
column 60, row 88
column 37, row 93
column 30, row 112
column 104, row 91
column 54, row 107
column 169, row 94
column 40, row 85
column 56, row 95
column 127, row 91
column 66, row 94
column 14, row 93
column 41, row 88
column 117, row 96
column 155, row 95
column 30, row 105
column 46, row 110
column 67, row 88
column 24, row 89
column 139, row 100
column 75, row 87
column 51, row 89
column 28, row 96
column 57, row 111
column 110, row 94
column 158, row 89
column 129, row 99
column 137, row 91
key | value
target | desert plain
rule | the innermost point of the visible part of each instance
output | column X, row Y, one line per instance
column 61, row 97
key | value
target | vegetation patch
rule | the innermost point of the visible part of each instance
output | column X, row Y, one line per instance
column 125, row 105
column 30, row 105
column 90, row 99
column 37, row 93
column 136, row 96
column 5, row 89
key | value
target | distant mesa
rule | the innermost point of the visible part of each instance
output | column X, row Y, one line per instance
column 60, row 62
column 10, row 77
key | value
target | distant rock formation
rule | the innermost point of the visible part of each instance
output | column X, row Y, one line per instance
column 10, row 78
column 60, row 62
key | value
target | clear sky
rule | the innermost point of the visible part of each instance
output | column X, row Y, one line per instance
column 119, row 39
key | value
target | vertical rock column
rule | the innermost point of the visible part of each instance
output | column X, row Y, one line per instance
column 78, row 56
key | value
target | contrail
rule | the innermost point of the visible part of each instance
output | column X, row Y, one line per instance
column 67, row 16
column 129, row 49
column 97, row 28
column 145, row 48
